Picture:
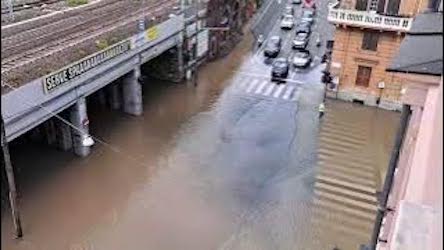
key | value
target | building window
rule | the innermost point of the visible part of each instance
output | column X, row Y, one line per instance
column 370, row 41
column 373, row 5
column 393, row 7
column 361, row 5
column 363, row 76
column 381, row 7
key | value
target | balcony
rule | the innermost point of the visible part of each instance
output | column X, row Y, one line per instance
column 367, row 19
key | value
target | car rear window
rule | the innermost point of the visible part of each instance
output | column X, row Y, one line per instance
column 274, row 40
column 301, row 54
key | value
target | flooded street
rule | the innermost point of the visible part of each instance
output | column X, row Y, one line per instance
column 229, row 164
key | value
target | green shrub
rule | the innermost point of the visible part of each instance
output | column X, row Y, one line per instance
column 74, row 3
column 102, row 44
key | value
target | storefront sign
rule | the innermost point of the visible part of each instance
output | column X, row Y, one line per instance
column 66, row 74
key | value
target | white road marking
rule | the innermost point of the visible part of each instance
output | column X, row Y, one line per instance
column 288, row 92
column 278, row 91
column 269, row 89
column 252, row 85
column 261, row 87
column 254, row 74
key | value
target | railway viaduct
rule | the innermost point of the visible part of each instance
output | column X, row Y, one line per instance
column 52, row 63
column 165, row 32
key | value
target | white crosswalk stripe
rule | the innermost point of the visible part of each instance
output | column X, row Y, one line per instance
column 278, row 91
column 261, row 87
column 264, row 87
column 269, row 89
column 288, row 92
column 252, row 85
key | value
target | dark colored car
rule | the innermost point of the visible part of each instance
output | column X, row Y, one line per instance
column 296, row 1
column 280, row 69
column 301, row 40
column 303, row 27
column 273, row 47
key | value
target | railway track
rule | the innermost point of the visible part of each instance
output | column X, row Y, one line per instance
column 37, row 37
column 27, row 5
column 47, row 19
column 96, row 26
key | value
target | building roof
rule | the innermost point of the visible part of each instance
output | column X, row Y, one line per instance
column 421, row 51
column 427, row 23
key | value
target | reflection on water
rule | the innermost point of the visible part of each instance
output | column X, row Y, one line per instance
column 126, row 200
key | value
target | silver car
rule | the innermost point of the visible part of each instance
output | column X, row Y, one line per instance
column 300, row 41
column 302, row 59
column 287, row 22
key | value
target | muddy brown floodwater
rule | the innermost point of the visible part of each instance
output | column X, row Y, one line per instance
column 113, row 200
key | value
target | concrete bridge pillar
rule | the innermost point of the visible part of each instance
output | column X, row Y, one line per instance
column 114, row 96
column 79, row 118
column 64, row 136
column 132, row 93
column 180, row 61
column 50, row 132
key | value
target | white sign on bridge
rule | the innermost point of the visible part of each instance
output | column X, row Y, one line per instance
column 66, row 74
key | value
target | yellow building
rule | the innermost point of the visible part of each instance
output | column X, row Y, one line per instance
column 367, row 37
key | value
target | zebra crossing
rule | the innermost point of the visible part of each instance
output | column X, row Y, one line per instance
column 345, row 204
column 263, row 87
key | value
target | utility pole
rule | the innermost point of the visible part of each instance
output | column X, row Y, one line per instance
column 11, row 184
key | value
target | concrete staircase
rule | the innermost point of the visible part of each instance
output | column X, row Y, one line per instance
column 345, row 200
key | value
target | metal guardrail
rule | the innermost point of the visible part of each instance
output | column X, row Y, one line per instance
column 369, row 19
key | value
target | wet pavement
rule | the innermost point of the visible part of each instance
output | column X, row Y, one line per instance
column 229, row 164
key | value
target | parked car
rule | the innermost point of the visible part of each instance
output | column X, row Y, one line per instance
column 280, row 69
column 273, row 47
column 303, row 27
column 308, row 15
column 288, row 11
column 302, row 59
column 301, row 40
column 296, row 1
column 287, row 22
